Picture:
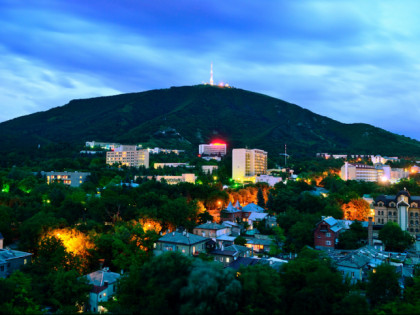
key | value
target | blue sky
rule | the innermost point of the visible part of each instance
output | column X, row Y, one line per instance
column 353, row 61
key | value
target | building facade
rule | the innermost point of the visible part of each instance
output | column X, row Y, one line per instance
column 402, row 208
column 173, row 180
column 248, row 163
column 361, row 172
column 183, row 242
column 73, row 179
column 212, row 149
column 128, row 155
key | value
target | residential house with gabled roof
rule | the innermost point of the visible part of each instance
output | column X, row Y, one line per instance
column 11, row 260
column 326, row 233
column 183, row 242
column 228, row 254
column 104, row 285
column 259, row 245
column 211, row 230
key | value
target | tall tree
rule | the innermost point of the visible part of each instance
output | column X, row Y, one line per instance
column 394, row 238
column 383, row 285
column 260, row 198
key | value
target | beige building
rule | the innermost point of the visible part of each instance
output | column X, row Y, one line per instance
column 248, row 163
column 128, row 155
column 362, row 172
column 402, row 208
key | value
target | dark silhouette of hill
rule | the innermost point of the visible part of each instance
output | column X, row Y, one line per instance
column 183, row 117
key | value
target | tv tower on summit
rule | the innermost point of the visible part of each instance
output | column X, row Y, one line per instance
column 211, row 74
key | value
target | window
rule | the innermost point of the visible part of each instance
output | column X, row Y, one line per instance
column 417, row 214
column 395, row 213
column 352, row 274
column 327, row 242
column 25, row 261
column 328, row 234
column 389, row 213
column 227, row 259
column 2, row 268
column 411, row 214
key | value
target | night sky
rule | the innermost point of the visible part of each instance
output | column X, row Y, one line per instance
column 353, row 61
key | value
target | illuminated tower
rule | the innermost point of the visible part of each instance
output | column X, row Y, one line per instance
column 211, row 74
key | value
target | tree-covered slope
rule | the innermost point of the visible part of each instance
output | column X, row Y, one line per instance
column 183, row 117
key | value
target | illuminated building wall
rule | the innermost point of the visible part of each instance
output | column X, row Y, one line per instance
column 73, row 179
column 128, row 155
column 212, row 149
column 248, row 163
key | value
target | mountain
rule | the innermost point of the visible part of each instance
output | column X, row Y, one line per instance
column 183, row 117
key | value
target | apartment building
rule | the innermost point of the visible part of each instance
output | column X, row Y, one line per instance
column 212, row 149
column 248, row 163
column 73, row 179
column 128, row 155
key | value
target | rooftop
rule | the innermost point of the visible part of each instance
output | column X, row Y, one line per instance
column 184, row 238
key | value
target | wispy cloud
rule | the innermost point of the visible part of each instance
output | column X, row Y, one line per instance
column 354, row 61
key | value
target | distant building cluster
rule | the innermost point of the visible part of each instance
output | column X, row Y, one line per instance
column 166, row 151
column 372, row 173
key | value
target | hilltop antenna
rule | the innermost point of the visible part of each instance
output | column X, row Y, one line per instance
column 285, row 154
column 211, row 74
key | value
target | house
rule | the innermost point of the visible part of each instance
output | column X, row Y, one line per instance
column 259, row 245
column 225, row 240
column 352, row 266
column 326, row 233
column 236, row 212
column 235, row 229
column 231, row 213
column 230, row 253
column 211, row 230
column 256, row 217
column 11, row 260
column 243, row 262
column 183, row 242
column 104, row 285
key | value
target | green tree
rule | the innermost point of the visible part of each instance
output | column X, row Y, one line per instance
column 383, row 285
column 394, row 238
column 240, row 240
column 158, row 283
column 260, row 198
column 278, row 239
column 261, row 293
column 15, row 295
column 210, row 289
column 68, row 290
column 311, row 285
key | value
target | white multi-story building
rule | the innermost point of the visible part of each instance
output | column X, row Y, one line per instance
column 248, row 163
column 128, row 155
column 73, row 179
column 361, row 172
column 214, row 149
